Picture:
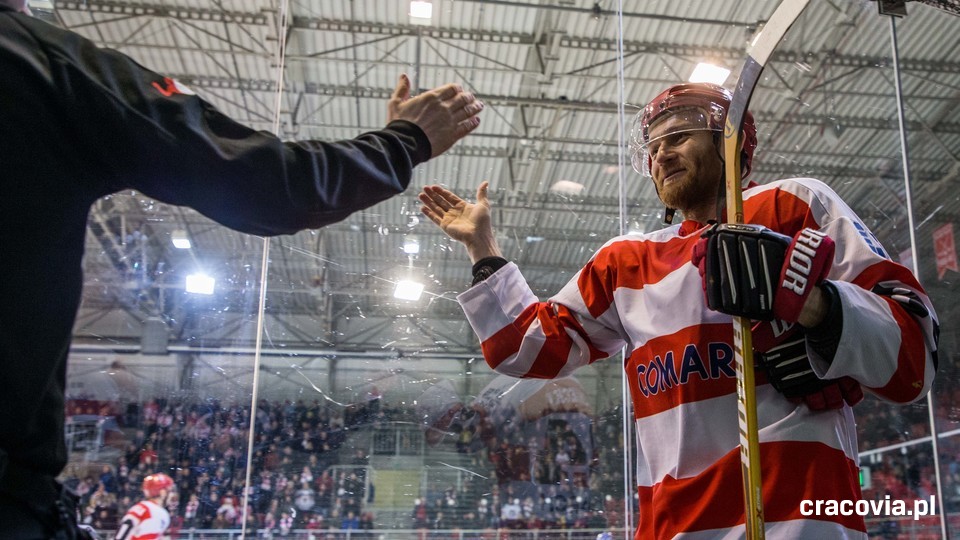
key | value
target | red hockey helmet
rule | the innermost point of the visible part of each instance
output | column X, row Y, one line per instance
column 154, row 484
column 703, row 106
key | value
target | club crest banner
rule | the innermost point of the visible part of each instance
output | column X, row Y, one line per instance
column 946, row 250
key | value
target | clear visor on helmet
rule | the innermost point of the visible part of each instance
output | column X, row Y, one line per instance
column 644, row 139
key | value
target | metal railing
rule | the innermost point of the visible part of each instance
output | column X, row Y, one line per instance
column 397, row 441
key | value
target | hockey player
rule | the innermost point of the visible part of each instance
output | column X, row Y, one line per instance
column 842, row 315
column 148, row 519
column 80, row 123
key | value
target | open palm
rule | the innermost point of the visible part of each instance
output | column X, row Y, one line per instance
column 466, row 222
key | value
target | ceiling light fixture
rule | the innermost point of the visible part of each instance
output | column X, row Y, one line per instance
column 408, row 290
column 200, row 284
column 411, row 246
column 180, row 239
column 567, row 187
column 709, row 73
column 421, row 12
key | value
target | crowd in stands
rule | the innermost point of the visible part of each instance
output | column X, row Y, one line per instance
column 563, row 471
column 203, row 447
column 306, row 475
column 900, row 467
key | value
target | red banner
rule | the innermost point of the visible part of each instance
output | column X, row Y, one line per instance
column 946, row 250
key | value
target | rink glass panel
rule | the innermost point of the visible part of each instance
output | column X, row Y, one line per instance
column 391, row 397
column 934, row 148
column 847, row 65
column 426, row 436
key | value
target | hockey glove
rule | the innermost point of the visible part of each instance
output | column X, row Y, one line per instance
column 787, row 366
column 806, row 265
column 751, row 271
column 740, row 266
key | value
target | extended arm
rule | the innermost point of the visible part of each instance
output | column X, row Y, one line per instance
column 520, row 335
column 130, row 127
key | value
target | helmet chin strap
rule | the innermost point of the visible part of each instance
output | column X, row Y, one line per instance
column 668, row 215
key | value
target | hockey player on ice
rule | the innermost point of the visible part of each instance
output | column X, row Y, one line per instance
column 148, row 519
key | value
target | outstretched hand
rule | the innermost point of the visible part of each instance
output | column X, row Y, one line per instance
column 465, row 222
column 445, row 114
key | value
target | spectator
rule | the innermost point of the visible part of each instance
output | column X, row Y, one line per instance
column 421, row 517
column 350, row 522
column 511, row 514
column 270, row 522
column 102, row 499
column 209, row 505
column 84, row 488
column 285, row 524
column 227, row 514
column 305, row 500
column 306, row 475
column 108, row 479
column 190, row 511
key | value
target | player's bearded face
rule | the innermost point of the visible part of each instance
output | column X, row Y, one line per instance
column 685, row 164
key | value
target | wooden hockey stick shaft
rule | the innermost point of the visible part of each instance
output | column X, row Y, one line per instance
column 766, row 41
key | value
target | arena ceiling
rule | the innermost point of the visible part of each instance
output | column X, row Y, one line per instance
column 548, row 143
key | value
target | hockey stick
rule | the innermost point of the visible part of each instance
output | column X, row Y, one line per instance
column 763, row 45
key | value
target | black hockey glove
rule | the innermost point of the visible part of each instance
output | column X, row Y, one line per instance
column 751, row 271
column 784, row 359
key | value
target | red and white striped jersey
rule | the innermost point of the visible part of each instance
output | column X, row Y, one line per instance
column 145, row 520
column 641, row 291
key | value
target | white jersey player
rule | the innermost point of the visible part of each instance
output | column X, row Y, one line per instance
column 148, row 519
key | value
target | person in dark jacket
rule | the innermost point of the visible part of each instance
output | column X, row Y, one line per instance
column 80, row 122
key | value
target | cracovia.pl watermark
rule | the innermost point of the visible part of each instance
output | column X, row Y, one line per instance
column 883, row 507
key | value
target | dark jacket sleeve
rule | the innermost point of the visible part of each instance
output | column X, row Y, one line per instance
column 148, row 132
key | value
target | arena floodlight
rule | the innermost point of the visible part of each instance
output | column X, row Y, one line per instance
column 709, row 73
column 180, row 239
column 408, row 290
column 411, row 246
column 200, row 284
column 421, row 12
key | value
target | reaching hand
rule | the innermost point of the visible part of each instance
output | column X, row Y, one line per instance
column 445, row 114
column 467, row 223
